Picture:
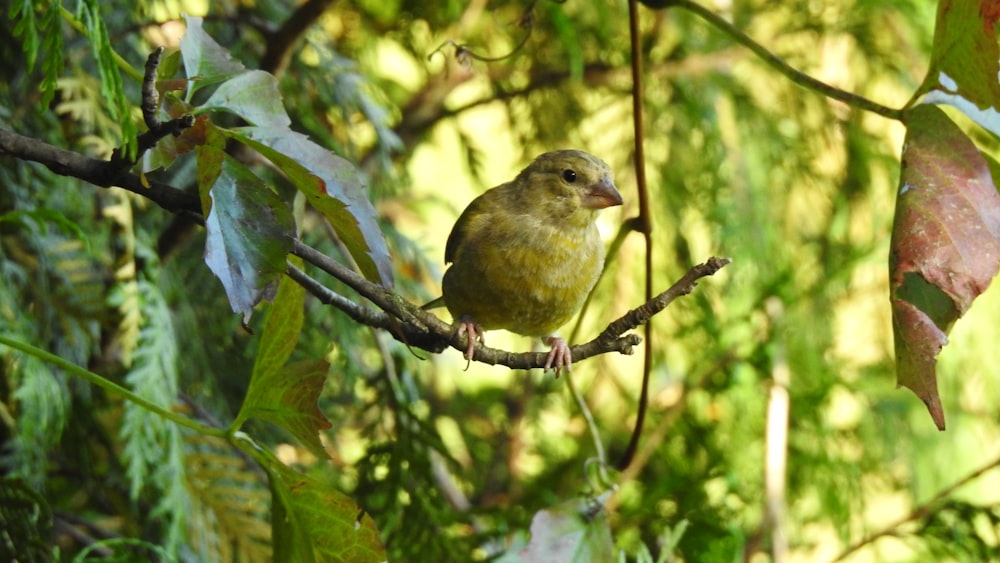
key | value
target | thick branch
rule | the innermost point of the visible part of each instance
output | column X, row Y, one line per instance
column 98, row 172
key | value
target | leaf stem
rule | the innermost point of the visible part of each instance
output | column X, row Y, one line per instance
column 112, row 387
column 777, row 63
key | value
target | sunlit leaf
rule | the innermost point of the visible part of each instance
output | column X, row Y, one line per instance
column 334, row 187
column 575, row 531
column 252, row 95
column 205, row 61
column 250, row 231
column 945, row 245
column 963, row 69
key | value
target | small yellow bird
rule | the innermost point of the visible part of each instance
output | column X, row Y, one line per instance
column 524, row 255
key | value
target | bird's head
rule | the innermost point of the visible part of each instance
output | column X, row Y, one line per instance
column 572, row 184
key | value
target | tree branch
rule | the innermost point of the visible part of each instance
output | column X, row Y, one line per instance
column 101, row 173
column 777, row 63
column 420, row 328
column 920, row 511
column 407, row 322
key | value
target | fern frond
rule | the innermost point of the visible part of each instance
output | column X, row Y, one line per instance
column 233, row 522
column 43, row 405
column 112, row 87
column 23, row 13
column 52, row 44
column 153, row 447
column 26, row 521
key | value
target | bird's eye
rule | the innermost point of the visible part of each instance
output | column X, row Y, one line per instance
column 569, row 176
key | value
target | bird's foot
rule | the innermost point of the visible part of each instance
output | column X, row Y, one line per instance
column 559, row 355
column 472, row 332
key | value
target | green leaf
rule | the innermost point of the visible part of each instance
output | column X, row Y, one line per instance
column 250, row 232
column 252, row 95
column 205, row 61
column 945, row 247
column 963, row 69
column 573, row 531
column 281, row 329
column 312, row 521
column 333, row 187
column 287, row 397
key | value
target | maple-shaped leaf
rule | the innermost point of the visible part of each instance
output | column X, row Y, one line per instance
column 964, row 65
column 312, row 521
column 945, row 246
column 287, row 398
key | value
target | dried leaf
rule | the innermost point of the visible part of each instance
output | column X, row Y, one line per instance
column 945, row 245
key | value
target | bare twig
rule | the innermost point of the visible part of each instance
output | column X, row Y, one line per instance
column 777, row 63
column 643, row 222
column 151, row 102
column 919, row 511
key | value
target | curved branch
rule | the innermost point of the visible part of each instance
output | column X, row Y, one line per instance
column 920, row 511
column 420, row 328
column 777, row 63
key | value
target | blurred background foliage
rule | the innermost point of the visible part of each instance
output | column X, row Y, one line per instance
column 453, row 463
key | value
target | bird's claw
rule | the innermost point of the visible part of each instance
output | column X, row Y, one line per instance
column 472, row 332
column 559, row 355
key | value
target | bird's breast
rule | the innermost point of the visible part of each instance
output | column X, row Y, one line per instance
column 530, row 280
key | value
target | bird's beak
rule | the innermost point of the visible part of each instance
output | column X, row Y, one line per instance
column 602, row 194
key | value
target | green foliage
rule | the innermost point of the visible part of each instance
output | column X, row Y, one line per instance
column 153, row 447
column 112, row 87
column 40, row 36
column 305, row 436
column 229, row 520
column 26, row 521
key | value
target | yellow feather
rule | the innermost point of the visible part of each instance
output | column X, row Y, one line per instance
column 526, row 254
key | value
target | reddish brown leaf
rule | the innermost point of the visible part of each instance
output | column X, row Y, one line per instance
column 945, row 245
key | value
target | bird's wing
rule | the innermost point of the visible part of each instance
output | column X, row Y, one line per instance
column 472, row 219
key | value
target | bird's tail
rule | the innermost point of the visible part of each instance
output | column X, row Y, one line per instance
column 439, row 302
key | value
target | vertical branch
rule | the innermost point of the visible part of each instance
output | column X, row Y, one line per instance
column 644, row 224
column 776, row 445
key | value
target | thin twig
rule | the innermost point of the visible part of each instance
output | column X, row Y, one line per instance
column 643, row 223
column 777, row 63
column 919, row 511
